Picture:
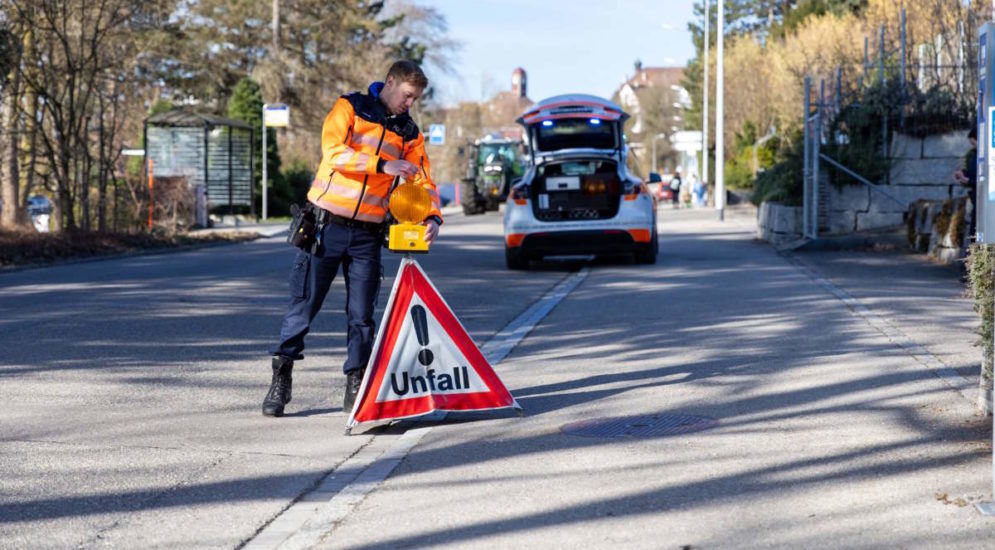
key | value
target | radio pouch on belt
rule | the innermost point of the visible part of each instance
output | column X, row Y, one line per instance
column 302, row 227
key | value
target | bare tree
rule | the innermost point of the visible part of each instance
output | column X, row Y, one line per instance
column 11, row 216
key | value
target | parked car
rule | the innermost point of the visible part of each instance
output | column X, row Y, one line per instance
column 38, row 205
column 663, row 191
column 577, row 196
column 40, row 211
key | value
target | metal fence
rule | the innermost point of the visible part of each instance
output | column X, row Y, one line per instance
column 934, row 91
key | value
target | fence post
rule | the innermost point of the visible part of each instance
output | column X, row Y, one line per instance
column 816, row 149
column 884, row 117
column 901, row 75
column 960, row 59
column 806, row 184
column 839, row 88
column 866, row 61
column 882, row 53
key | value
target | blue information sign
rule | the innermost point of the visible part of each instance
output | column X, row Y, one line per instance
column 437, row 134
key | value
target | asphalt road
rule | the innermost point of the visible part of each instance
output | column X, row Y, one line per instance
column 131, row 391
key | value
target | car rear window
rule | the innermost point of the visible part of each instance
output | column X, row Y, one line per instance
column 574, row 133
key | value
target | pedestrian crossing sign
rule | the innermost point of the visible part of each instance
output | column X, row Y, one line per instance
column 423, row 360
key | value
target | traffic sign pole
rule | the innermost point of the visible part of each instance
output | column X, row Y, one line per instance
column 275, row 115
column 265, row 158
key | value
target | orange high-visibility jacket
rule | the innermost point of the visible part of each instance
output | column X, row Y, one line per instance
column 356, row 135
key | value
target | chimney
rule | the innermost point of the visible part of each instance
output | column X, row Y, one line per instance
column 518, row 82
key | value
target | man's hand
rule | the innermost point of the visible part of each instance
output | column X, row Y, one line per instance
column 401, row 168
column 959, row 177
column 431, row 230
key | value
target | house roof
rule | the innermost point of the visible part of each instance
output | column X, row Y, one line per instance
column 656, row 77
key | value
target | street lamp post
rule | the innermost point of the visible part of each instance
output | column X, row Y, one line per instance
column 704, row 122
column 656, row 137
column 720, row 187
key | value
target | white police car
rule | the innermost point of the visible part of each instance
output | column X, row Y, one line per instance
column 577, row 196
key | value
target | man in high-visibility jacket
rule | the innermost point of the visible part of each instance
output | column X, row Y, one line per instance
column 366, row 141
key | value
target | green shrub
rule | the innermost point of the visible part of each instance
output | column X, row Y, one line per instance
column 298, row 177
column 782, row 182
column 979, row 263
column 936, row 111
column 739, row 167
column 857, row 138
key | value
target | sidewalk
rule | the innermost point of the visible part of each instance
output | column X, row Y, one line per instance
column 924, row 301
column 919, row 302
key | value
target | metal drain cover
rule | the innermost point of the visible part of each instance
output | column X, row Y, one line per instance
column 653, row 425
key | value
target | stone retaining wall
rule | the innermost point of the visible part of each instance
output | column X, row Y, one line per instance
column 777, row 223
column 922, row 169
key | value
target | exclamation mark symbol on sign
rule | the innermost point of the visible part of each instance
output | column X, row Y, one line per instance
column 420, row 320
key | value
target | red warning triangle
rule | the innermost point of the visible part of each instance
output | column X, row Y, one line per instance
column 423, row 360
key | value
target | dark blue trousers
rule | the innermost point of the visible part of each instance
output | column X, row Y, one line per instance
column 357, row 250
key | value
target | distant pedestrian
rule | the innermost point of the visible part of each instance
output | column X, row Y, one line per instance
column 968, row 177
column 697, row 191
column 675, row 189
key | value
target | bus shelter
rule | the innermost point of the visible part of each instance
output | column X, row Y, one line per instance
column 212, row 153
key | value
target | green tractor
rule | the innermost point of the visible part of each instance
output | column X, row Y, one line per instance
column 492, row 163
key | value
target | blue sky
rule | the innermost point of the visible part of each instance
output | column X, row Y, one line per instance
column 579, row 46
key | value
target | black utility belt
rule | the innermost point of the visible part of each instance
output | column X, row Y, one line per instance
column 326, row 216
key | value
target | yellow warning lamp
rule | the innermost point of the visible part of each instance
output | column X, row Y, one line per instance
column 410, row 204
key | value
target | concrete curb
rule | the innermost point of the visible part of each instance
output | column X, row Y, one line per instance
column 892, row 237
column 118, row 256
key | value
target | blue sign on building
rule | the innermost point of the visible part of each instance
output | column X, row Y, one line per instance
column 437, row 134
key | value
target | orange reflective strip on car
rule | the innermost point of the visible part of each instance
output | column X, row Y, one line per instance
column 515, row 239
column 640, row 235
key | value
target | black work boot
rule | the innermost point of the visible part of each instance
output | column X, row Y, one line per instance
column 279, row 389
column 353, row 380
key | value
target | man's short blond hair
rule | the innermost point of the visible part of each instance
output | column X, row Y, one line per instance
column 408, row 71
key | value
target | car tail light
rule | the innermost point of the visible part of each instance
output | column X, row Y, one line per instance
column 632, row 191
column 519, row 194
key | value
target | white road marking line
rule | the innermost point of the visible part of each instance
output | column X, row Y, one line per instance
column 304, row 523
column 498, row 347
